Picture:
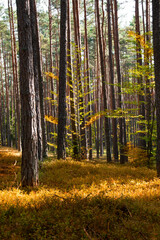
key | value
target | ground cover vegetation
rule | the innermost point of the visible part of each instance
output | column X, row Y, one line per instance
column 79, row 200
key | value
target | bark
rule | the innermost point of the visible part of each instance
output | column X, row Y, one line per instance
column 70, row 80
column 112, row 91
column 38, row 79
column 156, row 47
column 52, row 113
column 117, row 57
column 3, row 130
column 29, row 167
column 103, row 74
column 141, row 111
column 61, row 154
column 7, row 99
column 148, row 93
column 15, row 80
column 98, row 97
column 88, row 79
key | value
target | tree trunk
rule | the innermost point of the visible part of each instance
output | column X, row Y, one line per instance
column 113, row 106
column 15, row 80
column 156, row 47
column 61, row 154
column 117, row 57
column 141, row 111
column 29, row 167
column 70, row 80
column 103, row 75
column 88, row 79
column 41, row 131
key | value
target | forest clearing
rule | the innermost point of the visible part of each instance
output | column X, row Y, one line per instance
column 79, row 200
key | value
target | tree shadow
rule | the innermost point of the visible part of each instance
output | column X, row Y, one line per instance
column 66, row 175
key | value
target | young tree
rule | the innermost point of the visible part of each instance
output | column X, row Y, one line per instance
column 29, row 168
column 83, row 147
column 62, row 84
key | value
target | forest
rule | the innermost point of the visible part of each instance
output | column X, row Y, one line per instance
column 79, row 120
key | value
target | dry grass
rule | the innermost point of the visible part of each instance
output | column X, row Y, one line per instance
column 79, row 200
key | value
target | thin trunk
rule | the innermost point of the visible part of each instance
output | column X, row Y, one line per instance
column 70, row 80
column 3, row 130
column 156, row 47
column 148, row 93
column 113, row 107
column 7, row 99
column 42, row 142
column 88, row 79
column 61, row 153
column 107, row 134
column 98, row 97
column 141, row 111
column 117, row 57
column 81, row 99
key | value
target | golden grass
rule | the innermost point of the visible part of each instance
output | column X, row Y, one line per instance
column 80, row 200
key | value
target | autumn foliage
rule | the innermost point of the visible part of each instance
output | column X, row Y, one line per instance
column 79, row 200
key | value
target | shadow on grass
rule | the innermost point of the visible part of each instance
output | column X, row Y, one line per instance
column 84, row 201
column 66, row 175
column 96, row 218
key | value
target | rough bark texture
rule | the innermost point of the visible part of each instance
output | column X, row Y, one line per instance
column 29, row 168
column 3, row 130
column 36, row 64
column 156, row 46
column 41, row 128
column 148, row 93
column 15, row 77
column 117, row 57
column 112, row 94
column 62, row 84
column 70, row 80
column 141, row 111
column 88, row 80
column 107, row 135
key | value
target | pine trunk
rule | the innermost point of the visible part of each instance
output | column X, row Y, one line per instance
column 29, row 168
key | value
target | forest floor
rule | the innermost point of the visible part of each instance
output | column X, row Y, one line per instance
column 79, row 200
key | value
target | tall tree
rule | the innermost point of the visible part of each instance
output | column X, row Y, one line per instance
column 141, row 111
column 103, row 77
column 156, row 46
column 112, row 93
column 117, row 58
column 88, row 78
column 62, row 84
column 15, row 76
column 29, row 168
column 38, row 79
column 70, row 81
column 148, row 93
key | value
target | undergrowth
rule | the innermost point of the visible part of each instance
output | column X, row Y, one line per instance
column 78, row 201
